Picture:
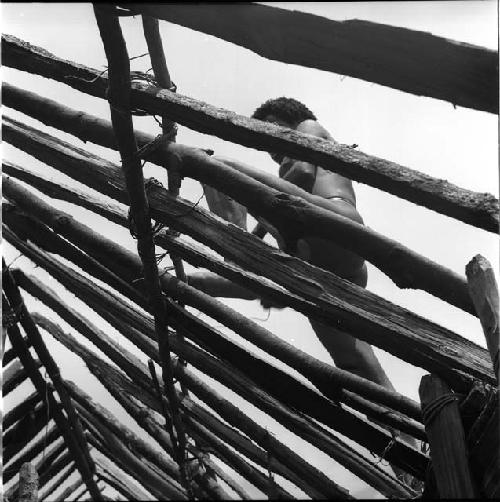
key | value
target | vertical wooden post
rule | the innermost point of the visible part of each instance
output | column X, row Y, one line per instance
column 28, row 483
column 446, row 439
column 483, row 291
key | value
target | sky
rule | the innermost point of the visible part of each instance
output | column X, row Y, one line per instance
column 431, row 136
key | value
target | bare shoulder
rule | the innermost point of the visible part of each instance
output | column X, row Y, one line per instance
column 313, row 128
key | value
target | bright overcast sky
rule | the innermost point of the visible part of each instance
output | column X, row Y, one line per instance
column 431, row 136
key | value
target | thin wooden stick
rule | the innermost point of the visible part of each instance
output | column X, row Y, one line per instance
column 15, row 299
column 287, row 210
column 476, row 209
column 119, row 100
column 169, row 128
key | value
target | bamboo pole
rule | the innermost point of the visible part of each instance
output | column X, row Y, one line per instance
column 484, row 293
column 477, row 209
column 446, row 439
column 14, row 375
column 28, row 484
column 57, row 483
column 20, row 410
column 119, row 100
column 194, row 358
column 23, row 431
column 285, row 211
column 39, row 383
column 430, row 331
column 103, row 371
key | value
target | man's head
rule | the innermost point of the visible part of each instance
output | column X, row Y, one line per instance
column 287, row 112
column 283, row 111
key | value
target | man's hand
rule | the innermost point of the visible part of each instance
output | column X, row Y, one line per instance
column 298, row 172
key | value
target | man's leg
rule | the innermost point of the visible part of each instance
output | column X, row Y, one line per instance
column 358, row 357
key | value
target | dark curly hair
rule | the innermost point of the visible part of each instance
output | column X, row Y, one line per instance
column 289, row 110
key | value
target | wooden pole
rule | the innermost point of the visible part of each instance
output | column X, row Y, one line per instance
column 23, row 431
column 484, row 293
column 404, row 59
column 110, row 474
column 74, row 430
column 119, row 100
column 104, row 371
column 197, row 358
column 138, row 446
column 246, row 328
column 60, row 246
column 14, row 375
column 138, row 468
column 66, row 493
column 286, row 210
column 57, row 483
column 446, row 439
column 478, row 209
column 61, row 421
column 334, row 305
column 28, row 484
column 42, row 444
column 20, row 410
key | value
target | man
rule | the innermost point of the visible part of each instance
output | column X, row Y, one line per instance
column 347, row 352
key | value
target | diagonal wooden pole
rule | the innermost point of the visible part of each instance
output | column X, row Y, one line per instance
column 70, row 427
column 121, row 118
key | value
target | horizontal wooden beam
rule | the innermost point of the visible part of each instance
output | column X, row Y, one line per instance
column 286, row 210
column 407, row 60
column 360, row 312
column 474, row 208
